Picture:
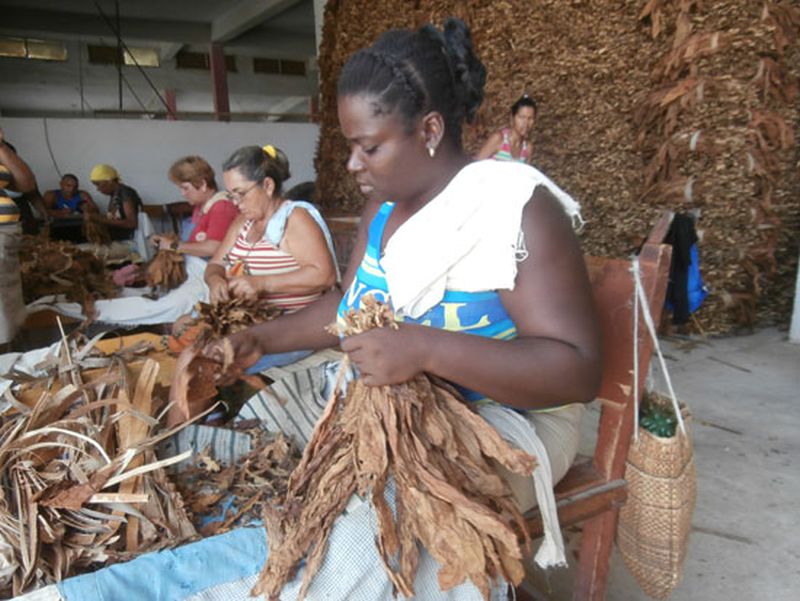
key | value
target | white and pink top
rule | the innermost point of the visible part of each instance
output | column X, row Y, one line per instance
column 264, row 258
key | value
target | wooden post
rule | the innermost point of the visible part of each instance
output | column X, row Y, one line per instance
column 172, row 104
column 219, row 82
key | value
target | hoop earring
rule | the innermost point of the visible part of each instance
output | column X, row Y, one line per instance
column 431, row 151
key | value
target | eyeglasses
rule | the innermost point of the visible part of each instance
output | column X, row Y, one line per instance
column 237, row 197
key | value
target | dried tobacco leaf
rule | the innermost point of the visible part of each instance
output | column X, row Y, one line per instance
column 166, row 271
column 439, row 454
column 96, row 232
column 257, row 477
column 53, row 268
column 64, row 463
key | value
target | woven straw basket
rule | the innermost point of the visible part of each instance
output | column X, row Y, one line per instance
column 654, row 524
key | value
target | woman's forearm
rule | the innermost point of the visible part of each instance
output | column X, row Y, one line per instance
column 203, row 249
column 302, row 330
column 213, row 271
column 23, row 178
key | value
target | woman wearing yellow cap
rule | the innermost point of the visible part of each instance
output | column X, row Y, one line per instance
column 123, row 206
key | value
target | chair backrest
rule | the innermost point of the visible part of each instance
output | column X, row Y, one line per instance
column 613, row 289
column 177, row 212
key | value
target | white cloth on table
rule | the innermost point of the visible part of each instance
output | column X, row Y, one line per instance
column 137, row 310
column 141, row 236
column 475, row 223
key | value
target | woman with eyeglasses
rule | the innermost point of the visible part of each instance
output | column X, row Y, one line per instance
column 276, row 248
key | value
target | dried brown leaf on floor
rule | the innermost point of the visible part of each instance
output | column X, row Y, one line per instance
column 688, row 51
column 774, row 81
column 438, row 454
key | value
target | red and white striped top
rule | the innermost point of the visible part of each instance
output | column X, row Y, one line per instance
column 264, row 258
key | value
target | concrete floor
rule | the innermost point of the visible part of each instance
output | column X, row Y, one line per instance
column 744, row 393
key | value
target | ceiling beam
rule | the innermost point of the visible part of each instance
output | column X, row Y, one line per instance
column 244, row 16
column 46, row 23
column 167, row 52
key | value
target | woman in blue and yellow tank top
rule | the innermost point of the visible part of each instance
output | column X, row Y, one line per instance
column 530, row 345
column 478, row 260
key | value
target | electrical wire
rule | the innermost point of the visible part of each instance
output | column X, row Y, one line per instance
column 49, row 146
column 133, row 58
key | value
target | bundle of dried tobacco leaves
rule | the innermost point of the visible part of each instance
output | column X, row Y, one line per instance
column 49, row 267
column 197, row 379
column 166, row 271
column 79, row 482
column 235, row 315
column 221, row 319
column 95, row 232
column 449, row 496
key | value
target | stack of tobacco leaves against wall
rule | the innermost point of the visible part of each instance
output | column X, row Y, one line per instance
column 439, row 452
column 255, row 478
column 49, row 267
column 167, row 270
column 79, row 482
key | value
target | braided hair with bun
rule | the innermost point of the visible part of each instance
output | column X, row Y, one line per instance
column 256, row 163
column 416, row 72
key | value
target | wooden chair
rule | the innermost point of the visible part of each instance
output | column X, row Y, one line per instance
column 177, row 212
column 595, row 488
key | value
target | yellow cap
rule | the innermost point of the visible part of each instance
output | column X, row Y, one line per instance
column 270, row 150
column 103, row 172
column 5, row 177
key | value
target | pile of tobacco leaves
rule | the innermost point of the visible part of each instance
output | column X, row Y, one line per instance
column 448, row 496
column 80, row 485
column 51, row 268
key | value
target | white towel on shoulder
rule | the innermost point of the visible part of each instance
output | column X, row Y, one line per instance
column 466, row 238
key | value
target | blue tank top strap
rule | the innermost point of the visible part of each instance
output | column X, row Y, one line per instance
column 475, row 313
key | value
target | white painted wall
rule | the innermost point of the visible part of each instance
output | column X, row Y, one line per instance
column 143, row 150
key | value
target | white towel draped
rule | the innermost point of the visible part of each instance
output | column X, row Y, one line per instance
column 466, row 238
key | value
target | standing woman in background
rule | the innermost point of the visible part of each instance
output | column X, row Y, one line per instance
column 513, row 143
column 15, row 175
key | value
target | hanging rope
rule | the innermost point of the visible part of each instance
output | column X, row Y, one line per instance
column 639, row 298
